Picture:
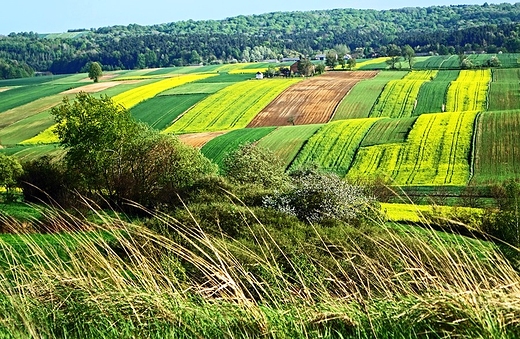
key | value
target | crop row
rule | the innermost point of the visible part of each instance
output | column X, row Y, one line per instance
column 503, row 90
column 469, row 91
column 432, row 95
column 286, row 141
column 389, row 131
column 333, row 147
column 134, row 96
column 436, row 152
column 231, row 108
column 399, row 97
column 497, row 148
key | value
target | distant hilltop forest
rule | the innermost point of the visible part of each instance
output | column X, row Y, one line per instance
column 443, row 30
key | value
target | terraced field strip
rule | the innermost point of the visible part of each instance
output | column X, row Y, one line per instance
column 124, row 86
column 399, row 98
column 26, row 128
column 312, row 101
column 432, row 94
column 159, row 112
column 333, row 146
column 359, row 101
column 388, row 131
column 217, row 148
column 93, row 88
column 287, row 141
column 25, row 111
column 134, row 96
column 30, row 81
column 23, row 95
column 199, row 139
column 503, row 90
column 497, row 148
column 469, row 91
column 47, row 136
column 436, row 153
column 197, row 88
column 32, row 152
column 509, row 59
column 232, row 107
column 372, row 64
column 225, row 77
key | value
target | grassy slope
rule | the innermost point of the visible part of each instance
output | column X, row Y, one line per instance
column 23, row 95
column 503, row 90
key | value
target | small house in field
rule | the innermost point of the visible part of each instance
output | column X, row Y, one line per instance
column 259, row 75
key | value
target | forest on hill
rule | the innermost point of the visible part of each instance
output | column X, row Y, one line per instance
column 436, row 30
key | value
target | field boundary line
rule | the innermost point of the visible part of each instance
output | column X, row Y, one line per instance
column 473, row 147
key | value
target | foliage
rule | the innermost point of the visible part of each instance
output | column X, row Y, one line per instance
column 10, row 171
column 12, row 69
column 250, row 164
column 409, row 55
column 317, row 196
column 94, row 71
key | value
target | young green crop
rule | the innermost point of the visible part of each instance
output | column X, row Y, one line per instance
column 286, row 141
column 503, row 90
column 231, row 108
column 333, row 146
column 432, row 95
column 388, row 131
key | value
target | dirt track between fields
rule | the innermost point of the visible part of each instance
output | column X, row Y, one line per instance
column 199, row 139
column 312, row 101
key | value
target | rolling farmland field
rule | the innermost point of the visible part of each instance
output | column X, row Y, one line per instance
column 384, row 123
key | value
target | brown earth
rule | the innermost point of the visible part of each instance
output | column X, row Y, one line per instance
column 3, row 89
column 93, row 88
column 199, row 139
column 312, row 101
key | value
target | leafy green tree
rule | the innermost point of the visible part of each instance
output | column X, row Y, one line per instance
column 331, row 59
column 94, row 71
column 351, row 63
column 10, row 171
column 320, row 68
column 394, row 53
column 305, row 67
column 409, row 55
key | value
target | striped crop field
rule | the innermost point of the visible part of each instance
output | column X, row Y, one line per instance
column 159, row 112
column 26, row 128
column 134, row 96
column 29, row 81
column 311, row 101
column 432, row 95
column 399, row 97
column 369, row 64
column 231, row 108
column 497, row 147
column 286, row 141
column 333, row 147
column 24, row 95
column 503, row 90
column 197, row 88
column 509, row 59
column 359, row 101
column 25, row 111
column 248, row 70
column 436, row 153
column 48, row 136
column 388, row 131
column 217, row 148
column 469, row 91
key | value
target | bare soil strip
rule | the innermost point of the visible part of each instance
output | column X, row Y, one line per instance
column 312, row 101
column 199, row 139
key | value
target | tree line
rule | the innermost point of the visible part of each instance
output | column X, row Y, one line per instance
column 439, row 29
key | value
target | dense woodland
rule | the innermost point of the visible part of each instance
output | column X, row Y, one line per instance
column 367, row 33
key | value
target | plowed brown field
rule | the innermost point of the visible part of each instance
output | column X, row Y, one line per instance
column 312, row 101
column 199, row 139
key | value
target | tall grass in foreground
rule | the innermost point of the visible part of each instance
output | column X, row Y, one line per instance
column 122, row 280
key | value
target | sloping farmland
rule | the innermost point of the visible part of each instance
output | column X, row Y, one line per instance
column 312, row 101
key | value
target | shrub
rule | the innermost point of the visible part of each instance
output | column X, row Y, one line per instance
column 319, row 196
column 10, row 170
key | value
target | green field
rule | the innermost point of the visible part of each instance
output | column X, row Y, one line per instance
column 30, row 81
column 334, row 146
column 360, row 100
column 432, row 95
column 217, row 148
column 504, row 91
column 388, row 131
column 399, row 97
column 23, row 95
column 497, row 147
column 286, row 141
column 26, row 128
column 436, row 152
column 160, row 111
column 231, row 108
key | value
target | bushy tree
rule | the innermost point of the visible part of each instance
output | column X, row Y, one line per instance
column 351, row 63
column 10, row 171
column 94, row 71
column 251, row 164
column 409, row 55
column 331, row 59
column 316, row 196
